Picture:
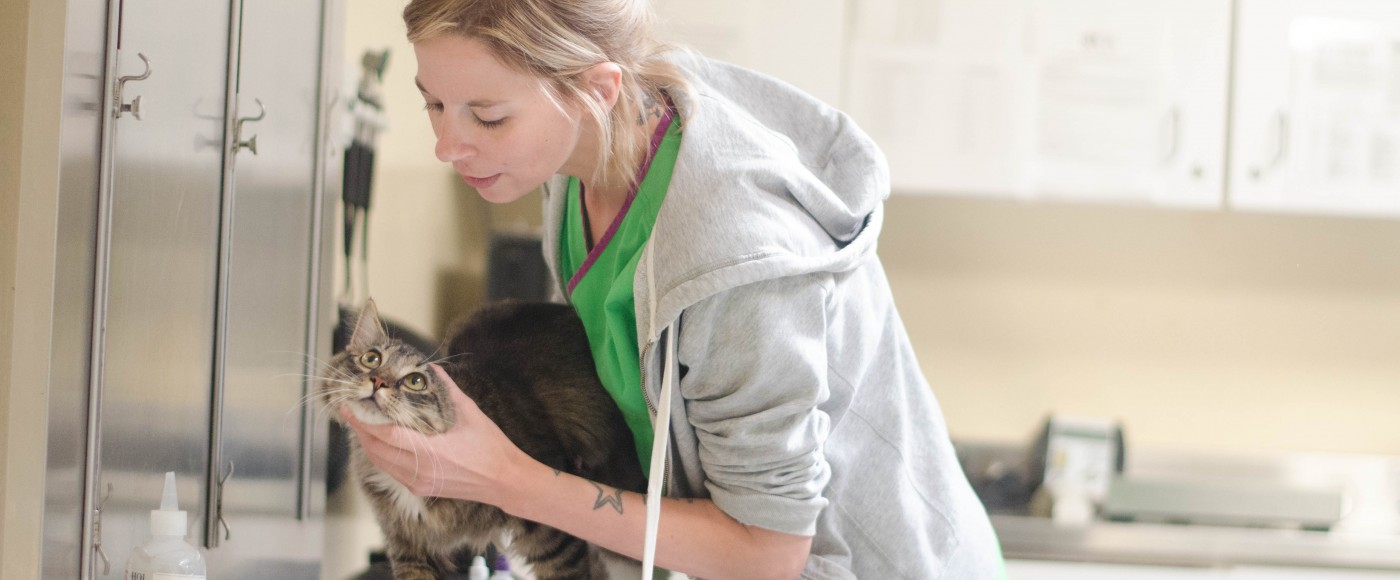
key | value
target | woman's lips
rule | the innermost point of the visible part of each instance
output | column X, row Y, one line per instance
column 481, row 182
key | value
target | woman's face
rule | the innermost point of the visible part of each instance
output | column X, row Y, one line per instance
column 496, row 126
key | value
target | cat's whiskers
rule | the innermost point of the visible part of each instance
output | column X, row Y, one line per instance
column 439, row 361
column 422, row 429
column 436, row 464
column 338, row 373
column 309, row 399
column 320, row 366
column 353, row 381
column 350, row 389
column 334, row 398
column 434, row 353
column 324, row 411
column 333, row 376
column 413, row 446
column 342, row 378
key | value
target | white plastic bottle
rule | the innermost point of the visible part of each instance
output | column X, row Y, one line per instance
column 478, row 571
column 165, row 555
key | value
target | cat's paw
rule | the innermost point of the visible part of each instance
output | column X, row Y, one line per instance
column 415, row 572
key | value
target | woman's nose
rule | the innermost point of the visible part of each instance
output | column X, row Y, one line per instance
column 452, row 144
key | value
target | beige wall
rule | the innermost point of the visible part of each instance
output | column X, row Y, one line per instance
column 31, row 34
column 428, row 230
column 1195, row 329
column 427, row 241
column 412, row 233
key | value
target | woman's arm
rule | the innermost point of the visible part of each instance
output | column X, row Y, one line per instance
column 695, row 536
column 475, row 461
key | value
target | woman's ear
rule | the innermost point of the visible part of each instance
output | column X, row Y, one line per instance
column 604, row 82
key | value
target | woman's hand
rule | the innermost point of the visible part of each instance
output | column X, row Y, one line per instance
column 471, row 461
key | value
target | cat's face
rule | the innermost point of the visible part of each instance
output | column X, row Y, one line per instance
column 382, row 380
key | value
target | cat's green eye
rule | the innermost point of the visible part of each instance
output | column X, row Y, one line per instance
column 415, row 382
column 371, row 359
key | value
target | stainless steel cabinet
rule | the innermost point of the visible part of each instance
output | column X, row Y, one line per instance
column 193, row 199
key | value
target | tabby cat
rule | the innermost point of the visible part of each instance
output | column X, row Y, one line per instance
column 529, row 368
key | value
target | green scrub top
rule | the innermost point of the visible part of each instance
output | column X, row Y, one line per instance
column 600, row 280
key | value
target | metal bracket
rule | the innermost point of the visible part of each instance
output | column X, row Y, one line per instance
column 97, row 532
column 219, row 503
column 252, row 143
column 134, row 107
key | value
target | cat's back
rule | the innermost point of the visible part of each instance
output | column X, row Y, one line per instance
column 528, row 365
column 516, row 337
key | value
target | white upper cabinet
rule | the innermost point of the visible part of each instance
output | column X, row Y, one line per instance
column 1267, row 105
column 944, row 87
column 798, row 41
column 1130, row 100
column 1316, row 123
column 1120, row 100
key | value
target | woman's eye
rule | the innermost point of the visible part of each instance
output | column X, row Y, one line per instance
column 415, row 382
column 492, row 124
column 371, row 359
column 432, row 106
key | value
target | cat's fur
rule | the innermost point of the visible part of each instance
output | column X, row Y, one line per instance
column 529, row 368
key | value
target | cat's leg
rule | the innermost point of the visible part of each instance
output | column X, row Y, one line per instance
column 410, row 560
column 552, row 554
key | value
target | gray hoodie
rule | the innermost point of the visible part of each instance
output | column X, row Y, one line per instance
column 798, row 404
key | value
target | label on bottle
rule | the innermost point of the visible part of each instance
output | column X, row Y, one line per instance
column 165, row 576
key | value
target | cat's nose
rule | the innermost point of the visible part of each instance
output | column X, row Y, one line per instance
column 378, row 383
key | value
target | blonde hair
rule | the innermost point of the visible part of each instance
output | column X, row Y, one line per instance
column 556, row 41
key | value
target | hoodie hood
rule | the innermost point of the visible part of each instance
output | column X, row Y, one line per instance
column 829, row 165
column 768, row 182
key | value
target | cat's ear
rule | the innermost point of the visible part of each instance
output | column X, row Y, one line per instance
column 368, row 330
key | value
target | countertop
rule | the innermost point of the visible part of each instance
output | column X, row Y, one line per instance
column 1367, row 536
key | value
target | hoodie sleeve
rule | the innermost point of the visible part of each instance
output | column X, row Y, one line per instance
column 755, row 363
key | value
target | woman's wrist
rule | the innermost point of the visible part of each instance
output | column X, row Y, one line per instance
column 506, row 489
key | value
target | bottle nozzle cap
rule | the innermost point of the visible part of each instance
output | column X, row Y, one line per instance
column 169, row 500
column 169, row 520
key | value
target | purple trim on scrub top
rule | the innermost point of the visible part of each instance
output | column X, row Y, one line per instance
column 626, row 205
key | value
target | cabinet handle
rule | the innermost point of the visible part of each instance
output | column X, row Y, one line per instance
column 215, row 476
column 134, row 107
column 1280, row 148
column 325, row 145
column 1173, row 123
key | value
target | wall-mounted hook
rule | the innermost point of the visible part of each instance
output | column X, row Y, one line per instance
column 220, row 503
column 134, row 107
column 252, row 143
column 97, row 532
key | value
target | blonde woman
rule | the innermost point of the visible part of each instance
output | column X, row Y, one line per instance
column 715, row 229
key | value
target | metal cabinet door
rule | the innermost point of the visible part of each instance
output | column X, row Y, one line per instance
column 261, row 424
column 165, row 201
